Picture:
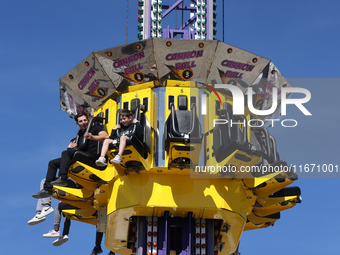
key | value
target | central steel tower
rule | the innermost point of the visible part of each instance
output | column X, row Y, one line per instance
column 197, row 19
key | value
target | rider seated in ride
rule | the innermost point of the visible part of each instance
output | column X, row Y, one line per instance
column 95, row 135
column 126, row 131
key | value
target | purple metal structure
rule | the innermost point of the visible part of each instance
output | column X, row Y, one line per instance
column 165, row 235
column 198, row 19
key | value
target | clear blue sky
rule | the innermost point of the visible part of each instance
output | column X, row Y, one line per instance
column 42, row 40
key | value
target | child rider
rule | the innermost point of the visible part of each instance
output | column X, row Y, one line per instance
column 125, row 129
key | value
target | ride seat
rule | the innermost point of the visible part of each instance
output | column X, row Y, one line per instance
column 82, row 156
column 142, row 144
column 228, row 138
column 267, row 145
column 83, row 169
column 183, row 125
column 182, row 134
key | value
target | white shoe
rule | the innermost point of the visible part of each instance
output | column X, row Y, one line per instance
column 52, row 234
column 116, row 160
column 60, row 240
column 36, row 220
column 101, row 161
column 45, row 211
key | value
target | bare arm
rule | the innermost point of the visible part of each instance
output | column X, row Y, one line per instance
column 102, row 135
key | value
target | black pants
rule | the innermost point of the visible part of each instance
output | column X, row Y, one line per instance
column 63, row 164
column 67, row 221
column 99, row 237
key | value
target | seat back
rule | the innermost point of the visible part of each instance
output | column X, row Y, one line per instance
column 100, row 122
column 135, row 108
column 238, row 132
column 182, row 115
column 83, row 142
column 261, row 135
column 136, row 114
column 183, row 122
column 146, row 131
column 225, row 134
column 143, row 143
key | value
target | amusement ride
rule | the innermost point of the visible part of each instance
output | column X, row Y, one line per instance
column 201, row 174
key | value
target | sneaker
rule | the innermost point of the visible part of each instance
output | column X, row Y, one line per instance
column 60, row 240
column 36, row 220
column 46, row 211
column 96, row 250
column 101, row 161
column 42, row 194
column 52, row 234
column 59, row 182
column 116, row 160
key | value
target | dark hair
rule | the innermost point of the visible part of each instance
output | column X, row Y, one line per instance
column 83, row 113
column 126, row 113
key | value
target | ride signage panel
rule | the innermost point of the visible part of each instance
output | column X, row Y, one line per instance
column 89, row 81
column 129, row 64
column 268, row 80
column 71, row 103
column 232, row 65
column 104, row 72
column 187, row 60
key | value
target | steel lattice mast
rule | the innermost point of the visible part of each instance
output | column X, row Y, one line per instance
column 198, row 16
